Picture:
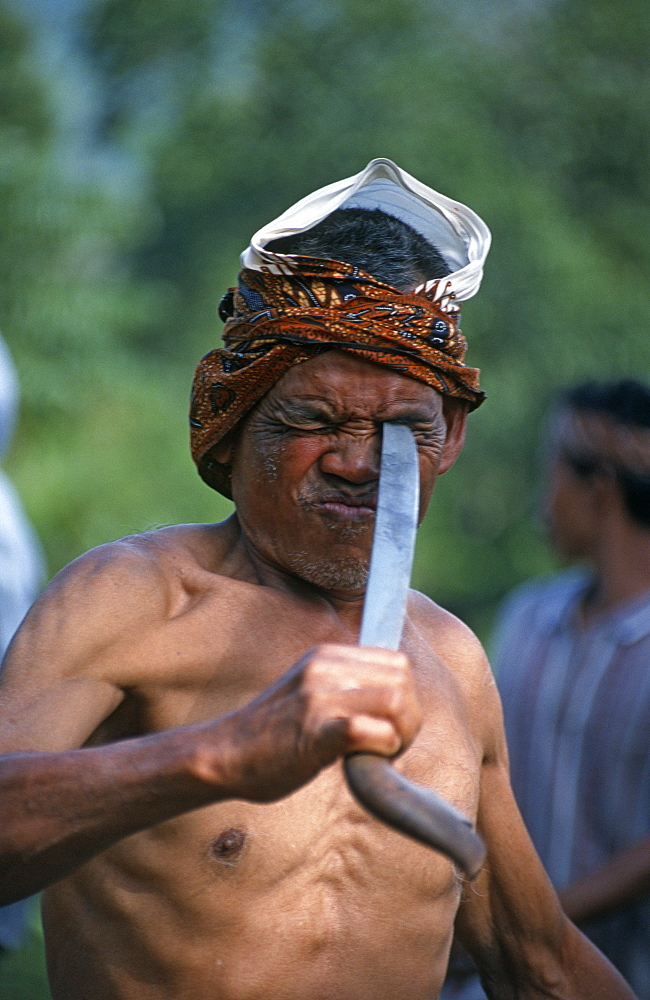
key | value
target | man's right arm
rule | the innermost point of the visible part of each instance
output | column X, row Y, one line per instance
column 622, row 881
column 62, row 803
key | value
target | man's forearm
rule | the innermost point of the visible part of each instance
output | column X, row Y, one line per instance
column 59, row 810
column 589, row 975
column 575, row 971
column 622, row 881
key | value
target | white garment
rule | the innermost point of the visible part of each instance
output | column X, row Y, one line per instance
column 21, row 564
column 454, row 230
column 21, row 576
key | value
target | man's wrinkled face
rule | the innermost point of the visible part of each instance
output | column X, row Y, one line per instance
column 306, row 464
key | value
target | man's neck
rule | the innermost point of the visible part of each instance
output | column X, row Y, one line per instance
column 621, row 569
column 346, row 603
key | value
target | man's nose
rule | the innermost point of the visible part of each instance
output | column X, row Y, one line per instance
column 354, row 457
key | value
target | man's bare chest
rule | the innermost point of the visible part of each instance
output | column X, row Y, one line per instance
column 231, row 643
column 317, row 853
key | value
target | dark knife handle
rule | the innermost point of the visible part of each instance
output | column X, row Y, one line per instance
column 414, row 810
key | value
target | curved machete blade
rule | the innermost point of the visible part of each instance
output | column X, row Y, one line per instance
column 416, row 811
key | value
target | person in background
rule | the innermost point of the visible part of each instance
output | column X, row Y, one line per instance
column 572, row 661
column 21, row 576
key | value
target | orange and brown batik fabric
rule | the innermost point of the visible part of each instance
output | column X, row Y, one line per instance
column 275, row 321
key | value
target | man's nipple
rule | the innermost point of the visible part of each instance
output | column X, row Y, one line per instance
column 228, row 846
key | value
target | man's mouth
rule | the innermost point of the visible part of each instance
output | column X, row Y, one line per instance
column 348, row 508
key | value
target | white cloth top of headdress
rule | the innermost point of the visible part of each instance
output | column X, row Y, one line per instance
column 456, row 231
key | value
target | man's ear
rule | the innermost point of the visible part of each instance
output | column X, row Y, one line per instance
column 455, row 414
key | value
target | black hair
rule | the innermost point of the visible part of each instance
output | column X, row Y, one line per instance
column 626, row 402
column 370, row 239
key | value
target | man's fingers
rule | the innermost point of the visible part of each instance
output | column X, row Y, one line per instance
column 360, row 654
column 358, row 734
column 360, row 700
column 351, row 668
column 337, row 700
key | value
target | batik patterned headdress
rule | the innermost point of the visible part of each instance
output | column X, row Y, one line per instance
column 288, row 308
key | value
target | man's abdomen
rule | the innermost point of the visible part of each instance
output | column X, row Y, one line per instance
column 306, row 899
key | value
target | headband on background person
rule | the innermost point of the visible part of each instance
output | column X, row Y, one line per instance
column 599, row 437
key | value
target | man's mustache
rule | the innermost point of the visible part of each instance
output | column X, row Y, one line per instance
column 315, row 496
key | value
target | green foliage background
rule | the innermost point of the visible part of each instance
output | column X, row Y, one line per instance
column 143, row 141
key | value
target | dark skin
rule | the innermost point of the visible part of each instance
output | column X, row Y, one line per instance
column 216, row 850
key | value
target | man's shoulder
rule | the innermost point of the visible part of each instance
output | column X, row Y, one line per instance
column 139, row 576
column 156, row 553
column 531, row 612
column 451, row 639
column 549, row 594
column 118, row 595
column 470, row 680
column 426, row 611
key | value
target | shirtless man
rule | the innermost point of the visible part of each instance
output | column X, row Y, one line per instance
column 176, row 706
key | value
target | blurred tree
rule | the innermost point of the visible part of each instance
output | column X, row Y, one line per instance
column 573, row 104
column 225, row 112
column 514, row 112
column 96, row 456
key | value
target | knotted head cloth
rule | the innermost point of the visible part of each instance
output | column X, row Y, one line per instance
column 288, row 308
column 600, row 438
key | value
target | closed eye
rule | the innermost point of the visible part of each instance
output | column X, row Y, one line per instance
column 306, row 418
